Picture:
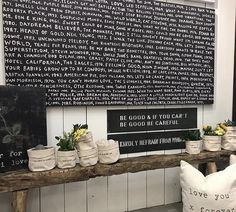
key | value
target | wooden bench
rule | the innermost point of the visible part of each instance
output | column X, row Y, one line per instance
column 18, row 182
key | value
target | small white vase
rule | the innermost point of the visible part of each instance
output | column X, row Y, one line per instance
column 229, row 139
column 108, row 151
column 193, row 147
column 86, row 142
column 212, row 143
column 41, row 160
column 66, row 159
column 230, row 130
column 88, row 157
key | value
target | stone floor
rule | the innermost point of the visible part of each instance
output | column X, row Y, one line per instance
column 177, row 207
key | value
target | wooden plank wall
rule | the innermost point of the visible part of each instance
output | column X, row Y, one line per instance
column 139, row 190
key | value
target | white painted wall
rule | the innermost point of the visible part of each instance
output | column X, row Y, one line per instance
column 139, row 190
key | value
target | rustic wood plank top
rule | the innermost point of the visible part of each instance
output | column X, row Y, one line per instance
column 25, row 179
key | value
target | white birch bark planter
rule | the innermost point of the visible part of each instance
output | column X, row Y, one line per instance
column 193, row 147
column 41, row 160
column 229, row 139
column 108, row 151
column 88, row 157
column 86, row 142
column 66, row 159
column 212, row 143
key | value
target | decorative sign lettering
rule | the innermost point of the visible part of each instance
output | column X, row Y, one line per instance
column 151, row 141
column 110, row 52
column 22, row 124
column 143, row 130
column 151, row 119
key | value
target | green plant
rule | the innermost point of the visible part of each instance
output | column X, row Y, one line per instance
column 67, row 142
column 191, row 135
column 208, row 130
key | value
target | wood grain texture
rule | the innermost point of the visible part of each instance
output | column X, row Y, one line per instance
column 5, row 201
column 117, row 193
column 24, row 179
column 172, row 182
column 19, row 201
column 75, row 193
column 155, row 184
column 211, row 167
column 97, row 188
column 52, row 198
column 136, row 185
column 33, row 203
column 117, row 185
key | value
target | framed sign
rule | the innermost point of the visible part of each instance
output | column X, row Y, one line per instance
column 111, row 52
column 151, row 141
column 22, row 124
column 144, row 130
column 151, row 119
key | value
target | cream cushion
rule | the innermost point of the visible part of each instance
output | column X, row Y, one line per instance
column 213, row 193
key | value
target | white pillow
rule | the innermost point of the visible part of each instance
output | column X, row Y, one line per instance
column 213, row 193
column 232, row 159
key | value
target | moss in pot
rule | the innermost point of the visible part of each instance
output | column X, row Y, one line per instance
column 40, row 147
column 193, row 141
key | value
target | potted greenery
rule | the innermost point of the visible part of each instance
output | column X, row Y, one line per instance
column 193, row 141
column 229, row 138
column 66, row 154
column 41, row 158
column 86, row 147
column 212, row 138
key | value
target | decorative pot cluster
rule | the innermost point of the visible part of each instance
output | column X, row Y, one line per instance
column 76, row 144
column 222, row 136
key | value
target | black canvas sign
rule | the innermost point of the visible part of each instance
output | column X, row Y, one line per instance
column 111, row 52
column 22, row 124
column 143, row 130
column 151, row 141
column 151, row 119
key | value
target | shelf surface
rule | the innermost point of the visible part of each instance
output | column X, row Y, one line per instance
column 25, row 179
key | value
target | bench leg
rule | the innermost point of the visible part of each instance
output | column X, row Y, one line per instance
column 211, row 166
column 19, row 199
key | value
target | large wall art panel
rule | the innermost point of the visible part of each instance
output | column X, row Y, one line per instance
column 100, row 52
